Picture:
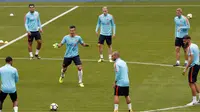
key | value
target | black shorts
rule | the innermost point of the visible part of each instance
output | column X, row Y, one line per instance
column 121, row 91
column 108, row 39
column 68, row 61
column 13, row 96
column 34, row 35
column 179, row 42
column 193, row 73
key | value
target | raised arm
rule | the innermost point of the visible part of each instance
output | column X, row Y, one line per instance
column 187, row 24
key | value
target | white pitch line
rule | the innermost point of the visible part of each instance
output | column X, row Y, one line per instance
column 46, row 23
column 92, row 6
column 170, row 108
column 93, row 60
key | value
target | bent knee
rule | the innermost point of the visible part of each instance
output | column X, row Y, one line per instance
column 79, row 68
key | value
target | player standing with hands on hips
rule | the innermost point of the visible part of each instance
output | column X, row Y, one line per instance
column 193, row 65
column 121, row 84
column 33, row 28
column 9, row 77
column 107, row 32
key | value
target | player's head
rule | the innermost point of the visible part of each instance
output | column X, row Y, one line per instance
column 186, row 40
column 105, row 10
column 31, row 7
column 179, row 12
column 72, row 30
column 9, row 60
column 115, row 55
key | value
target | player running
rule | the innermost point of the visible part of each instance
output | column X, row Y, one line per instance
column 193, row 65
column 121, row 84
column 9, row 77
column 182, row 26
column 72, row 40
column 33, row 28
column 107, row 32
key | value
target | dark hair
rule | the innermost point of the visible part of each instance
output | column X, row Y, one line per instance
column 187, row 37
column 31, row 5
column 8, row 59
column 72, row 26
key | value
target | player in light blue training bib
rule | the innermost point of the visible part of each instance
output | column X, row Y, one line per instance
column 121, row 84
column 193, row 66
column 33, row 28
column 9, row 77
column 182, row 27
column 72, row 41
column 107, row 32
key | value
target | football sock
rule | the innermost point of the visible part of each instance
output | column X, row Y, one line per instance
column 110, row 57
column 62, row 73
column 80, row 76
column 129, row 106
column 101, row 56
column 116, row 106
column 194, row 99
column 178, row 62
column 15, row 109
column 37, row 52
column 31, row 54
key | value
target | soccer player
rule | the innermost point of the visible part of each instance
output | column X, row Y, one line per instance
column 121, row 84
column 33, row 28
column 182, row 26
column 72, row 40
column 193, row 65
column 9, row 78
column 107, row 32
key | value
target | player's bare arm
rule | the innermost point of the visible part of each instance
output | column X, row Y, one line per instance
column 85, row 45
column 190, row 58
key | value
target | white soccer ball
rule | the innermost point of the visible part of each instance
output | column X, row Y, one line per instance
column 1, row 42
column 5, row 42
column 189, row 16
column 53, row 107
column 11, row 14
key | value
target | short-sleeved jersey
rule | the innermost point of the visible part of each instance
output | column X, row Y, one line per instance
column 9, row 77
column 72, row 45
column 194, row 50
column 32, row 21
column 182, row 26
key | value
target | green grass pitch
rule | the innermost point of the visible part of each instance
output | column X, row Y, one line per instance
column 144, row 34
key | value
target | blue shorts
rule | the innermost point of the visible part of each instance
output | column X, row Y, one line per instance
column 34, row 35
column 179, row 42
column 68, row 61
column 108, row 39
column 13, row 96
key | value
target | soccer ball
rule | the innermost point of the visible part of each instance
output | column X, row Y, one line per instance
column 11, row 14
column 1, row 41
column 189, row 16
column 53, row 107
